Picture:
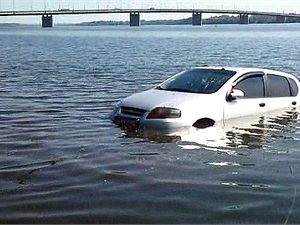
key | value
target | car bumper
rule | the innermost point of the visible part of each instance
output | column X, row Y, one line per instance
column 141, row 123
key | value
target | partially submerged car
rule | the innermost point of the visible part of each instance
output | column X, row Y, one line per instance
column 202, row 96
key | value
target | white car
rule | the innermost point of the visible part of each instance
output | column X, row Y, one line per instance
column 203, row 96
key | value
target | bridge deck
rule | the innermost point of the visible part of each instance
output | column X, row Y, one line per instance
column 105, row 11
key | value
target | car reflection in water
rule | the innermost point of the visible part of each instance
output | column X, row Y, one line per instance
column 253, row 132
column 261, row 132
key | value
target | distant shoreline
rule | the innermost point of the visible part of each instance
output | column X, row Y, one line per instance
column 11, row 24
column 224, row 19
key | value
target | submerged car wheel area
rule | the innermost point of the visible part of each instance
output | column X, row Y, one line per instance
column 204, row 96
column 204, row 123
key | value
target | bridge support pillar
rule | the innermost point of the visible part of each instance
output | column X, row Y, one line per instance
column 244, row 19
column 134, row 19
column 47, row 20
column 197, row 19
column 281, row 19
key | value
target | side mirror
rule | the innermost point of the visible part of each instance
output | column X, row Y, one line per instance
column 235, row 93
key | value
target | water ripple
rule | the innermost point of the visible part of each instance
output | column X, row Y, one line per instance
column 62, row 160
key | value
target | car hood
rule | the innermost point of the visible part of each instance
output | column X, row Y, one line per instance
column 152, row 98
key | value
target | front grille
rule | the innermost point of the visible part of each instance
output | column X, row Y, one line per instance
column 132, row 111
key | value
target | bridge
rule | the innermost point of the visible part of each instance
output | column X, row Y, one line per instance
column 134, row 14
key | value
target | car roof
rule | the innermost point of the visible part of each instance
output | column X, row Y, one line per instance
column 240, row 70
column 243, row 70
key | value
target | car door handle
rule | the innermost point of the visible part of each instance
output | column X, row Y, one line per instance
column 294, row 103
column 262, row 104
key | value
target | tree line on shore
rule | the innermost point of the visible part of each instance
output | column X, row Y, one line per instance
column 223, row 19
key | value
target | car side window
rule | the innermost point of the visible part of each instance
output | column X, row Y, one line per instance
column 278, row 86
column 253, row 87
column 294, row 87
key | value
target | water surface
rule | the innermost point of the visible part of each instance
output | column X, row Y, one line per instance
column 62, row 160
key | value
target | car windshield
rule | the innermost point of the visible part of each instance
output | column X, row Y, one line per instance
column 204, row 81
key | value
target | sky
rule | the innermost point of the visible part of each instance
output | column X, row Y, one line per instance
column 288, row 6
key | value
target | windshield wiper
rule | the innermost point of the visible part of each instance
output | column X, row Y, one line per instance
column 179, row 90
column 175, row 89
column 159, row 88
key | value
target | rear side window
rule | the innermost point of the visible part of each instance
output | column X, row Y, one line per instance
column 253, row 87
column 278, row 86
column 294, row 87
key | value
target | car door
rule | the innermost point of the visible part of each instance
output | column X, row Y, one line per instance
column 252, row 103
column 281, row 92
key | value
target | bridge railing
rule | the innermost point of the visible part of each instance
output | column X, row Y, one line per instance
column 48, row 5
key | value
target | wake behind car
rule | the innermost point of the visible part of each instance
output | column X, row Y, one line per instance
column 202, row 96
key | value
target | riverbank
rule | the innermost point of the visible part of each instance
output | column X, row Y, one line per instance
column 223, row 19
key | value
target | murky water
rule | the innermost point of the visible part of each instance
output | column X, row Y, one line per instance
column 62, row 160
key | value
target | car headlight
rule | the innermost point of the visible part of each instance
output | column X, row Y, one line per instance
column 164, row 113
